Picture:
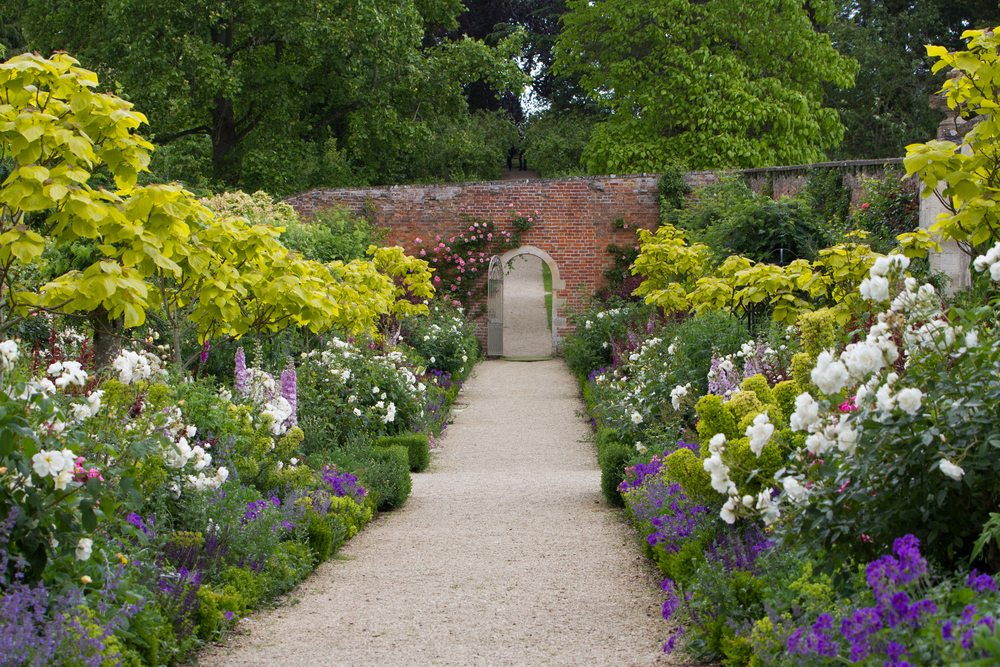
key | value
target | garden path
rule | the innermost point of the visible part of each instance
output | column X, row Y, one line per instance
column 505, row 554
column 526, row 331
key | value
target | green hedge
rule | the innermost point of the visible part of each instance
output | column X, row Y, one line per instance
column 416, row 444
column 612, row 456
column 387, row 474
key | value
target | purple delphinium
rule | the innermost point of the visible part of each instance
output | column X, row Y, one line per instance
column 289, row 392
column 177, row 595
column 739, row 550
column 240, row 375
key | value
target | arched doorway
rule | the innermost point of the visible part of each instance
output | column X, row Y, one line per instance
column 530, row 303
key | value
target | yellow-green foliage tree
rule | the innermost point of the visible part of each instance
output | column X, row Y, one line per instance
column 158, row 247
column 966, row 177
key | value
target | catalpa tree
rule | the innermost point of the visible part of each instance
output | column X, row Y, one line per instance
column 722, row 83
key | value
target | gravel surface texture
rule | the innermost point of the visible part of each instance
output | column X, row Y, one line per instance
column 505, row 554
column 526, row 330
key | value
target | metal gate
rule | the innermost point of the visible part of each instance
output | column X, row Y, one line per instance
column 494, row 307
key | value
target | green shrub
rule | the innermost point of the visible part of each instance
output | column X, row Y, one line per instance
column 212, row 606
column 332, row 234
column 387, row 474
column 353, row 516
column 784, row 394
column 613, row 458
column 714, row 417
column 889, row 207
column 698, row 338
column 244, row 586
column 290, row 564
column 758, row 385
column 416, row 444
column 686, row 469
column 744, row 403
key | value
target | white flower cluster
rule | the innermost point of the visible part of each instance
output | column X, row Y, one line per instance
column 719, row 471
column 9, row 354
column 760, row 433
column 135, row 366
column 82, row 411
column 203, row 483
column 991, row 261
column 60, row 465
column 68, row 373
column 876, row 286
column 278, row 409
column 678, row 393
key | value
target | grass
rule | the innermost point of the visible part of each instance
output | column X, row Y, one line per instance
column 547, row 285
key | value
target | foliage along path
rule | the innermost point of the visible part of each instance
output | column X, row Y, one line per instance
column 505, row 554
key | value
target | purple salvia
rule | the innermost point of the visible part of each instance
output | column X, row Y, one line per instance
column 240, row 374
column 204, row 352
column 288, row 391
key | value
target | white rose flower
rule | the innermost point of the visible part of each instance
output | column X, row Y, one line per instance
column 727, row 513
column 48, row 463
column 676, row 394
column 796, row 492
column 759, row 433
column 995, row 272
column 84, row 548
column 9, row 354
column 862, row 359
column 717, row 444
column 829, row 375
column 357, row 412
column 950, row 469
column 748, row 501
column 806, row 413
column 636, row 417
column 878, row 289
column 880, row 267
column 641, row 448
column 909, row 400
column 63, row 479
column 886, row 401
column 847, row 437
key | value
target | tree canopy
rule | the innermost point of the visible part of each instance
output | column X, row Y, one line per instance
column 279, row 93
column 722, row 83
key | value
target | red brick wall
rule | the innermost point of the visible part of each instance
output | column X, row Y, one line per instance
column 574, row 224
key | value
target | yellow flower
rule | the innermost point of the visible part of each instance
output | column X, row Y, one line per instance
column 85, row 579
column 122, row 558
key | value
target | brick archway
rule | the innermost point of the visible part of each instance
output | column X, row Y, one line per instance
column 575, row 222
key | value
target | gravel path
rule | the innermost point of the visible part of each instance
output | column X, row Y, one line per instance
column 505, row 554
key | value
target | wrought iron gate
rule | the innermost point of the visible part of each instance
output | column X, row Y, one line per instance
column 494, row 307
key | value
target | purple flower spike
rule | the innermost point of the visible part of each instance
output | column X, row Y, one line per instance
column 240, row 374
column 289, row 392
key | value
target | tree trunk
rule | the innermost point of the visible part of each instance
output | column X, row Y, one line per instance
column 224, row 140
column 107, row 343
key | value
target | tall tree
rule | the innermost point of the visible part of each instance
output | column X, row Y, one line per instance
column 716, row 83
column 286, row 91
column 887, row 109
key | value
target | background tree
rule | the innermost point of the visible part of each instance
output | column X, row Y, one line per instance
column 280, row 93
column 887, row 108
column 718, row 83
